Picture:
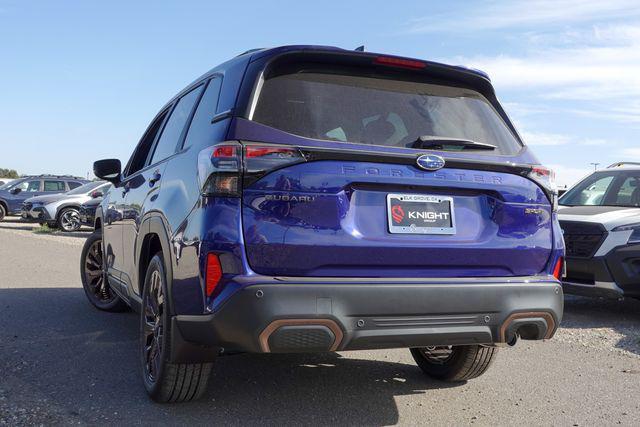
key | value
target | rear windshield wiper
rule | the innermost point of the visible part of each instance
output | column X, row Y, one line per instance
column 444, row 143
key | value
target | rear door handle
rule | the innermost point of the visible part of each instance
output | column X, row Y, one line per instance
column 155, row 178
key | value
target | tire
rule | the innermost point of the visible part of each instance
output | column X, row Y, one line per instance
column 69, row 220
column 94, row 279
column 454, row 363
column 164, row 381
column 3, row 212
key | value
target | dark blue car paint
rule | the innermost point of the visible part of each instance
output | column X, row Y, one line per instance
column 318, row 239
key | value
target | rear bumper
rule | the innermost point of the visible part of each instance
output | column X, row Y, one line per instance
column 308, row 315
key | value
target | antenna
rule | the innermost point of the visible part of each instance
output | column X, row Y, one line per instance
column 359, row 49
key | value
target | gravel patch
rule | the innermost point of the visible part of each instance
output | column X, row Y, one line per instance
column 604, row 324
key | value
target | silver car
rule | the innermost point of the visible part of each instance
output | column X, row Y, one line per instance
column 62, row 210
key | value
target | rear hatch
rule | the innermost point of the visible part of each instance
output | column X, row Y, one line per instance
column 381, row 172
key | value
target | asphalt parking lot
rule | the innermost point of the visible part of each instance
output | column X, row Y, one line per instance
column 63, row 362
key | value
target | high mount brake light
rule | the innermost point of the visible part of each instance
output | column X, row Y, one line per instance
column 221, row 167
column 546, row 178
column 399, row 62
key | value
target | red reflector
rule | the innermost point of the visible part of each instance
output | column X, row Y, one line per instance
column 213, row 273
column 399, row 62
column 557, row 270
column 265, row 151
column 224, row 151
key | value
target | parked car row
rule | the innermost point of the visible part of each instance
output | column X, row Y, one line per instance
column 63, row 210
column 55, row 200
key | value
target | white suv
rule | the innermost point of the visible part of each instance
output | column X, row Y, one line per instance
column 600, row 219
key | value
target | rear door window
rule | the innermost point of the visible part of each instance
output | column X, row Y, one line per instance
column 172, row 132
column 57, row 186
column 379, row 111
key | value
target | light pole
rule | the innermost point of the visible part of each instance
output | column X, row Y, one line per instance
column 595, row 165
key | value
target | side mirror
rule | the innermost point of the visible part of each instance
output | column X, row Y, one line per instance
column 15, row 191
column 108, row 169
column 96, row 194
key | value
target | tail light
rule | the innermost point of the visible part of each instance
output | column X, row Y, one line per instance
column 259, row 159
column 546, row 178
column 222, row 168
column 213, row 273
column 558, row 269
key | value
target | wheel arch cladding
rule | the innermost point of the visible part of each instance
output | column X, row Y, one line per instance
column 153, row 239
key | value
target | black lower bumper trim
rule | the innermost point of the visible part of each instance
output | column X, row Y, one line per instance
column 378, row 315
column 615, row 274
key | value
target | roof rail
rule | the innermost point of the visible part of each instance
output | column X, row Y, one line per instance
column 618, row 164
column 47, row 175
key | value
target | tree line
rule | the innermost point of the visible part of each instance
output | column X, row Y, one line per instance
column 9, row 173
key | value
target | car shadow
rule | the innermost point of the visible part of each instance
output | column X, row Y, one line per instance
column 58, row 351
column 622, row 316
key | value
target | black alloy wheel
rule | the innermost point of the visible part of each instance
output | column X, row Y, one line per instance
column 94, row 278
column 153, row 327
column 164, row 380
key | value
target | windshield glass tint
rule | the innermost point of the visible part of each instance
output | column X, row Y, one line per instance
column 83, row 189
column 379, row 111
column 606, row 189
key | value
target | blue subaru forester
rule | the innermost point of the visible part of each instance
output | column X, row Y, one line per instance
column 314, row 199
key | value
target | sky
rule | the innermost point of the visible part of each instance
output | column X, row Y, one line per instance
column 80, row 81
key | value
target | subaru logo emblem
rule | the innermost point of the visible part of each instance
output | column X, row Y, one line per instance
column 430, row 162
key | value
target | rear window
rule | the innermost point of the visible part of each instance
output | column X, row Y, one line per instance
column 379, row 111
